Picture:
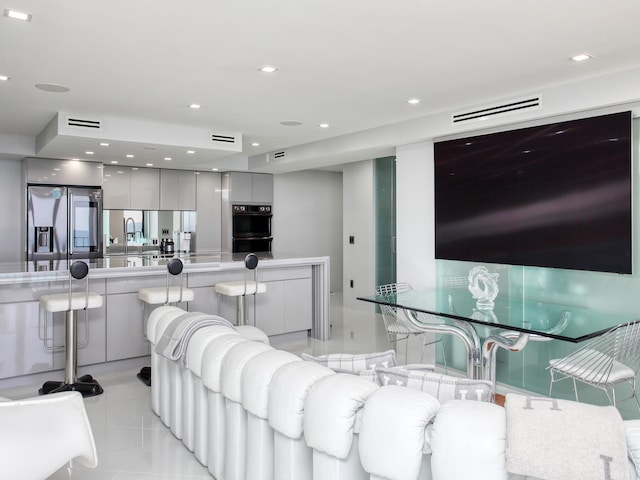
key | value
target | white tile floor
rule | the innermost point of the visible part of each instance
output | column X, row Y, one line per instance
column 133, row 443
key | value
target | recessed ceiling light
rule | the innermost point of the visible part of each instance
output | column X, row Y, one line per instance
column 324, row 125
column 581, row 58
column 52, row 87
column 191, row 152
column 167, row 158
column 129, row 155
column 135, row 168
column 57, row 169
column 114, row 162
column 195, row 106
column 255, row 144
column 149, row 164
column 413, row 101
column 89, row 153
column 4, row 78
column 268, row 69
column 214, row 169
column 25, row 17
column 104, row 144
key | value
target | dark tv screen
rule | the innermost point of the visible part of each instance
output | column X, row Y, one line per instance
column 556, row 195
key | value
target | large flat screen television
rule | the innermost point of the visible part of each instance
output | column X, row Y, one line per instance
column 556, row 195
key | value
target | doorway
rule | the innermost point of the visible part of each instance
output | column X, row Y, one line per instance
column 385, row 218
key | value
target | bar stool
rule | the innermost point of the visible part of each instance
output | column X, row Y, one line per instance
column 241, row 289
column 163, row 296
column 70, row 302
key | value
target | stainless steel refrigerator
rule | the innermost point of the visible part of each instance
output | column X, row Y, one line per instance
column 64, row 222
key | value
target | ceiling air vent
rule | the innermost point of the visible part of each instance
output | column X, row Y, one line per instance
column 220, row 138
column 492, row 111
column 78, row 122
column 278, row 154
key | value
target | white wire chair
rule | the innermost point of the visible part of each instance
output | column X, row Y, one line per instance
column 608, row 360
column 399, row 328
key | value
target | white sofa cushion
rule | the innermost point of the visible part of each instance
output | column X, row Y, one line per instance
column 213, row 356
column 468, row 441
column 392, row 432
column 443, row 387
column 287, row 393
column 330, row 412
column 632, row 434
column 257, row 376
column 233, row 365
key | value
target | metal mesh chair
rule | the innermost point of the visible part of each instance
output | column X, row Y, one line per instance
column 399, row 328
column 604, row 362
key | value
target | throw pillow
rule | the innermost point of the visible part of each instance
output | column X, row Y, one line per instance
column 443, row 387
column 355, row 362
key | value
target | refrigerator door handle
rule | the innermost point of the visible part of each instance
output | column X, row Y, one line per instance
column 71, row 217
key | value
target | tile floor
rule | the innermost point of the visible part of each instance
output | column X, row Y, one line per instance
column 133, row 443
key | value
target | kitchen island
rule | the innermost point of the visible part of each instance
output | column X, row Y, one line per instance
column 295, row 304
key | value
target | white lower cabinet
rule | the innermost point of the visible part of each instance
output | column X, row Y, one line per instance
column 22, row 349
column 125, row 336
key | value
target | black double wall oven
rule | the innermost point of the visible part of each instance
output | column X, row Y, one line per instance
column 251, row 228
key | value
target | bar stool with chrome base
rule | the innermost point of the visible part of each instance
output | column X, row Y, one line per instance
column 242, row 288
column 71, row 302
column 164, row 296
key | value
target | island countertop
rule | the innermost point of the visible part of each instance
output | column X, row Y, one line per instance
column 114, row 266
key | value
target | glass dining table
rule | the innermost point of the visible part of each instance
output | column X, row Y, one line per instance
column 510, row 324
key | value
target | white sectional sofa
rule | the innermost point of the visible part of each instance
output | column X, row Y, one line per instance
column 251, row 412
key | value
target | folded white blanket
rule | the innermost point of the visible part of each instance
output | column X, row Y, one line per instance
column 560, row 439
column 175, row 339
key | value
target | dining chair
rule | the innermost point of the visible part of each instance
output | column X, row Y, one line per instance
column 399, row 328
column 604, row 362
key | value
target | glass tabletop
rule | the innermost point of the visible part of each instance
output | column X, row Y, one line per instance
column 563, row 322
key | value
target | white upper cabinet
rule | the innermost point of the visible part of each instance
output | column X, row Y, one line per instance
column 177, row 190
column 116, row 187
column 145, row 188
column 245, row 187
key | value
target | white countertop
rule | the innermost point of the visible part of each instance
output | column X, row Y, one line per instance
column 123, row 265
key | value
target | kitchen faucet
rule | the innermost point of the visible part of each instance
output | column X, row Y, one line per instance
column 126, row 233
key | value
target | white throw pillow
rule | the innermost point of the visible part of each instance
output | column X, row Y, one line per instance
column 443, row 387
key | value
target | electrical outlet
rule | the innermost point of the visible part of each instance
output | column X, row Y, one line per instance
column 351, row 283
column 352, row 239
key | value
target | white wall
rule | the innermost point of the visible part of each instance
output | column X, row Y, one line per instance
column 415, row 215
column 11, row 196
column 307, row 217
column 358, row 221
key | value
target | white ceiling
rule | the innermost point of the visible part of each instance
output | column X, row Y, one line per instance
column 350, row 63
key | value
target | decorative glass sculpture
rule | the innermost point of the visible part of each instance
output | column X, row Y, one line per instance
column 483, row 286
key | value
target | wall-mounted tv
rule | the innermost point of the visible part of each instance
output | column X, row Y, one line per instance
column 556, row 195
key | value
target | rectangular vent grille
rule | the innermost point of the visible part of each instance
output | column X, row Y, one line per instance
column 84, row 123
column 530, row 103
column 278, row 154
column 217, row 138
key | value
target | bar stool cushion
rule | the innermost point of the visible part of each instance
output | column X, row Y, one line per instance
column 59, row 302
column 157, row 295
column 235, row 289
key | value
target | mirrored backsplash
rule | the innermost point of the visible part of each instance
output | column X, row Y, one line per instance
column 141, row 231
